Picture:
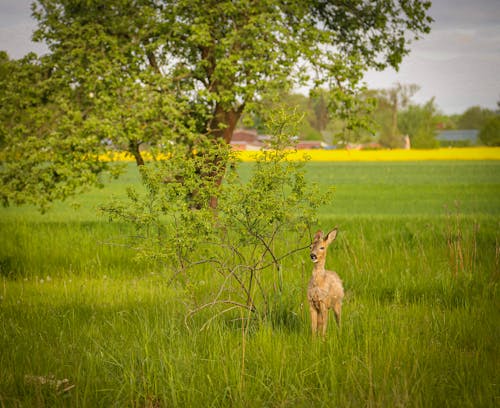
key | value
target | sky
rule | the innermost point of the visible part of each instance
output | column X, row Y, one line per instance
column 458, row 63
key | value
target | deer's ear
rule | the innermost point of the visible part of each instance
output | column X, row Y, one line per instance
column 331, row 236
column 318, row 235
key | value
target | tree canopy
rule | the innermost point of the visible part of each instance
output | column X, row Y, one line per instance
column 136, row 72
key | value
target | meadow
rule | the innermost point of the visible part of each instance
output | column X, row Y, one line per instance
column 85, row 324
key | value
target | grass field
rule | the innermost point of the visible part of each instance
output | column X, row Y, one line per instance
column 84, row 325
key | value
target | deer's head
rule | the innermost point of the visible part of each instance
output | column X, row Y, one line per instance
column 320, row 245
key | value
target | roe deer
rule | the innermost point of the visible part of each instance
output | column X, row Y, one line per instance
column 325, row 290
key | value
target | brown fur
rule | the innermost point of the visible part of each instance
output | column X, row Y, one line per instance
column 325, row 290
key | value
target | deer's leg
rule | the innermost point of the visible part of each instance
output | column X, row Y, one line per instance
column 337, row 309
column 322, row 319
column 314, row 319
column 322, row 316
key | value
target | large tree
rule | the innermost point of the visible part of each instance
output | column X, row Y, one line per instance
column 148, row 70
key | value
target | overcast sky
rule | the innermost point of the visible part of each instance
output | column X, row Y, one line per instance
column 458, row 62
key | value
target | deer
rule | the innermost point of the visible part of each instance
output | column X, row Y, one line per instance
column 325, row 290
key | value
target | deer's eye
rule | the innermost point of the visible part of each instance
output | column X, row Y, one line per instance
column 322, row 248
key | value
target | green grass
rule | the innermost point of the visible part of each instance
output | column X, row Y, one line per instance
column 419, row 254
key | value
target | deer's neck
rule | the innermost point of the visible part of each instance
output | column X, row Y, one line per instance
column 319, row 268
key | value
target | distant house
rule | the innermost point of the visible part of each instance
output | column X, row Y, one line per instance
column 460, row 137
column 310, row 144
column 249, row 139
column 245, row 135
column 246, row 139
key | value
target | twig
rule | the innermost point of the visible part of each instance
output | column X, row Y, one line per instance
column 282, row 257
column 191, row 265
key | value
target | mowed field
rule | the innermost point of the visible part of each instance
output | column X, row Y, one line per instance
column 85, row 324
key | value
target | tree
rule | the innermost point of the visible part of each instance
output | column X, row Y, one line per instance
column 342, row 118
column 206, row 62
column 396, row 98
column 419, row 123
column 474, row 118
column 490, row 132
column 446, row 122
column 319, row 103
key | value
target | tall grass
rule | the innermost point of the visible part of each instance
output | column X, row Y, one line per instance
column 420, row 320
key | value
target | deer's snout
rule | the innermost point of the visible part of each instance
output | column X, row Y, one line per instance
column 314, row 258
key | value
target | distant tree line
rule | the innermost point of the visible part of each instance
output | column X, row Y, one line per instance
column 389, row 116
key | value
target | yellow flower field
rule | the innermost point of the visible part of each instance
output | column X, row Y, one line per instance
column 472, row 153
column 464, row 153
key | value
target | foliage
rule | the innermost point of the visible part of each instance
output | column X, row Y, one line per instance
column 474, row 118
column 352, row 115
column 174, row 215
column 326, row 116
column 49, row 150
column 419, row 122
column 307, row 128
column 394, row 99
column 447, row 122
column 490, row 132
column 105, row 74
column 318, row 102
column 179, row 228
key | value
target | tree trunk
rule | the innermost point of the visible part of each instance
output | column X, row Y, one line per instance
column 394, row 124
column 222, row 127
column 133, row 148
column 224, row 122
